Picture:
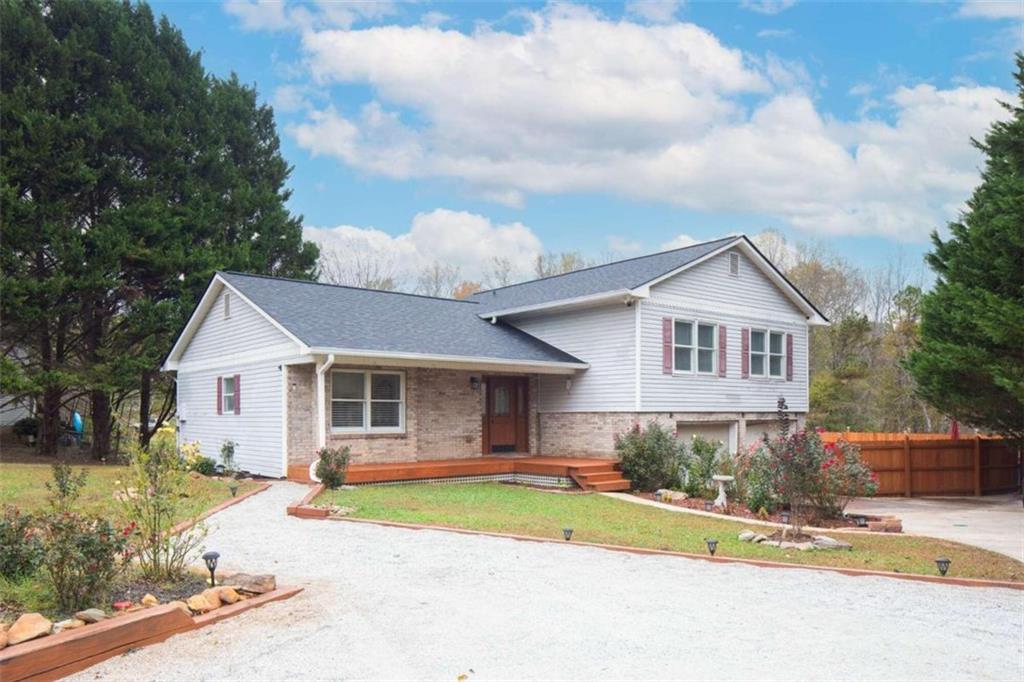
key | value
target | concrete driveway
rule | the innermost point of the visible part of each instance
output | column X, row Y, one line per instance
column 994, row 522
column 404, row 604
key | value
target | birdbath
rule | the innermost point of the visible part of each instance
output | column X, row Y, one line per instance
column 721, row 500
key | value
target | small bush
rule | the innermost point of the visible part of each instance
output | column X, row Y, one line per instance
column 651, row 458
column 227, row 457
column 754, row 469
column 332, row 466
column 21, row 548
column 84, row 556
column 65, row 487
column 203, row 465
column 704, row 461
column 26, row 426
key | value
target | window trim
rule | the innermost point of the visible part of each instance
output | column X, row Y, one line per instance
column 695, row 347
column 224, row 394
column 768, row 354
column 367, row 402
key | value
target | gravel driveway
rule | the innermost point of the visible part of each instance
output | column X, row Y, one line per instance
column 395, row 603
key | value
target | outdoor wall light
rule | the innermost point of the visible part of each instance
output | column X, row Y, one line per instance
column 708, row 505
column 474, row 383
column 211, row 564
column 567, row 532
column 785, row 516
column 943, row 565
column 712, row 545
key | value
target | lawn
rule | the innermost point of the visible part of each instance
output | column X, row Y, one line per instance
column 596, row 518
column 24, row 486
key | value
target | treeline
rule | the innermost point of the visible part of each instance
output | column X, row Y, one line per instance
column 129, row 175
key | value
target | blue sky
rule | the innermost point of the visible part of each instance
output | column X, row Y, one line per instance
column 459, row 131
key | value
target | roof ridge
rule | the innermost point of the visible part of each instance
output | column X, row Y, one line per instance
column 344, row 286
column 604, row 265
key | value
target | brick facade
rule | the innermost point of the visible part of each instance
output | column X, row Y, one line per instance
column 443, row 418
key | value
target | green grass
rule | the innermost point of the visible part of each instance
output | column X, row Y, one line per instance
column 24, row 486
column 596, row 518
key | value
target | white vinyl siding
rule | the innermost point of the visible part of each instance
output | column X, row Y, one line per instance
column 709, row 293
column 602, row 336
column 256, row 430
column 219, row 337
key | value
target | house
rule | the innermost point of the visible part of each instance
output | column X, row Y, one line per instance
column 704, row 339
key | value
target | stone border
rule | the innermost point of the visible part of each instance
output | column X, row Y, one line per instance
column 185, row 525
column 855, row 572
column 55, row 656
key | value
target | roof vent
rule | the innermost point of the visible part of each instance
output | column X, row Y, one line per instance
column 734, row 264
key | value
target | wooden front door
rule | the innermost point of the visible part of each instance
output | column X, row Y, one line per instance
column 507, row 413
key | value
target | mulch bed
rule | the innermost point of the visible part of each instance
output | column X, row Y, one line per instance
column 135, row 590
column 740, row 511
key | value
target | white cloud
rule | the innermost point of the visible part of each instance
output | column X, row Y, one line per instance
column 290, row 98
column 657, row 11
column 578, row 102
column 279, row 15
column 768, row 33
column 459, row 238
column 992, row 9
column 767, row 6
column 678, row 242
column 623, row 247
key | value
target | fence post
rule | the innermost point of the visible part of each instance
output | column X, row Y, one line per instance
column 908, row 490
column 977, row 465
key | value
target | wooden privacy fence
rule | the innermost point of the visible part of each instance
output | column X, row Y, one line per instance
column 939, row 466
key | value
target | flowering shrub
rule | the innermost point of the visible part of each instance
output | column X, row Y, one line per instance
column 651, row 458
column 84, row 556
column 755, row 479
column 21, row 548
column 842, row 477
column 332, row 467
column 195, row 460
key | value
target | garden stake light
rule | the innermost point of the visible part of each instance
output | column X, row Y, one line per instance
column 708, row 504
column 211, row 563
column 712, row 545
column 785, row 517
column 943, row 564
column 567, row 532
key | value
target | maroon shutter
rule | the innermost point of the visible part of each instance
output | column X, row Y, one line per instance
column 722, row 336
column 238, row 394
column 745, row 350
column 220, row 395
column 789, row 357
column 666, row 345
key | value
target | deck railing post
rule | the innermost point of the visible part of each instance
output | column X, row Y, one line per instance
column 977, row 465
column 908, row 489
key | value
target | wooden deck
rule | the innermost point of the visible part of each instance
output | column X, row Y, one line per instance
column 589, row 473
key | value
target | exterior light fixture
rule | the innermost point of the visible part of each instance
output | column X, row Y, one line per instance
column 568, row 384
column 708, row 505
column 567, row 532
column 657, row 496
column 943, row 565
column 474, row 383
column 211, row 564
column 712, row 545
column 785, row 516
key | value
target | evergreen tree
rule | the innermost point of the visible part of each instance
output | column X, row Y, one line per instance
column 970, row 363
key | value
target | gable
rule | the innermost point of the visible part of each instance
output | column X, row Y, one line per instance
column 244, row 331
column 710, row 285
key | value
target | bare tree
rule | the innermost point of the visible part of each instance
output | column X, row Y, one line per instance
column 465, row 289
column 548, row 264
column 438, row 279
column 357, row 265
column 776, row 248
column 501, row 274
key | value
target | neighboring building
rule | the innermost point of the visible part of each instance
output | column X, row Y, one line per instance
column 704, row 339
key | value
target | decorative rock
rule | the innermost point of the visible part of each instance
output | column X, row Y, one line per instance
column 181, row 605
column 254, row 584
column 150, row 600
column 91, row 615
column 228, row 595
column 212, row 595
column 200, row 604
column 3, row 638
column 759, row 538
column 747, row 536
column 825, row 542
column 69, row 624
column 28, row 626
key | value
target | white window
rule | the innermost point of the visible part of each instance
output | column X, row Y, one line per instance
column 227, row 395
column 372, row 402
column 693, row 347
column 227, row 304
column 734, row 264
column 767, row 353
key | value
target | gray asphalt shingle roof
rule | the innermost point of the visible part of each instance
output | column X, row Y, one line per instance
column 623, row 274
column 328, row 316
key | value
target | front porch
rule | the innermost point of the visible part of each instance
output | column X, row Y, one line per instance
column 588, row 473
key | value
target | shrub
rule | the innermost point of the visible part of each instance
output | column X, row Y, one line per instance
column 152, row 498
column 227, row 457
column 65, row 487
column 26, row 426
column 754, row 469
column 703, row 464
column 84, row 556
column 332, row 466
column 651, row 458
column 843, row 476
column 21, row 548
column 203, row 465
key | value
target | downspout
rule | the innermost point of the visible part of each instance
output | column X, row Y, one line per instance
column 321, row 416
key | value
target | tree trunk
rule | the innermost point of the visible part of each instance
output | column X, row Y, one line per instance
column 49, row 420
column 145, row 399
column 101, row 424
